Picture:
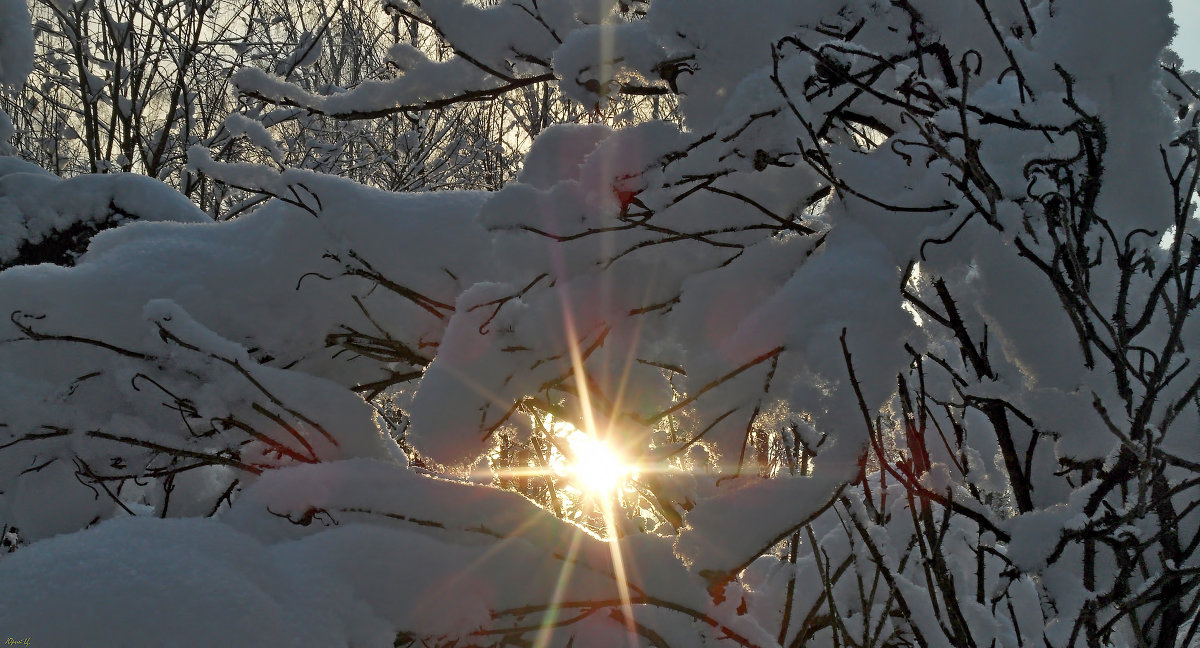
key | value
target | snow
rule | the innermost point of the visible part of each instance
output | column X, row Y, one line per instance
column 559, row 154
column 895, row 342
column 40, row 212
column 6, row 133
column 240, row 125
column 343, row 582
column 583, row 60
column 753, row 507
column 16, row 43
column 189, row 582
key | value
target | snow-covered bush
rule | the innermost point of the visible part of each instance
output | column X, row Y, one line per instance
column 129, row 86
column 897, row 330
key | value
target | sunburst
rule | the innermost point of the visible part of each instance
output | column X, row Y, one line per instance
column 596, row 468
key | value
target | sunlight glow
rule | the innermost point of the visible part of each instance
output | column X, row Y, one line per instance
column 598, row 468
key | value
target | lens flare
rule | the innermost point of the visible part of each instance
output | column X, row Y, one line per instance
column 606, row 503
column 599, row 470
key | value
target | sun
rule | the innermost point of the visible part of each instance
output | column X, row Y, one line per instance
column 599, row 470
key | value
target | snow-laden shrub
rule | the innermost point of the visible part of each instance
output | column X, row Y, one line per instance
column 898, row 328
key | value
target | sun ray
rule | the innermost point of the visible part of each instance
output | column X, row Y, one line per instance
column 631, row 356
column 614, row 548
column 560, row 588
column 606, row 509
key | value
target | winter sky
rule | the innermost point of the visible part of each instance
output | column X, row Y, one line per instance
column 1187, row 41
